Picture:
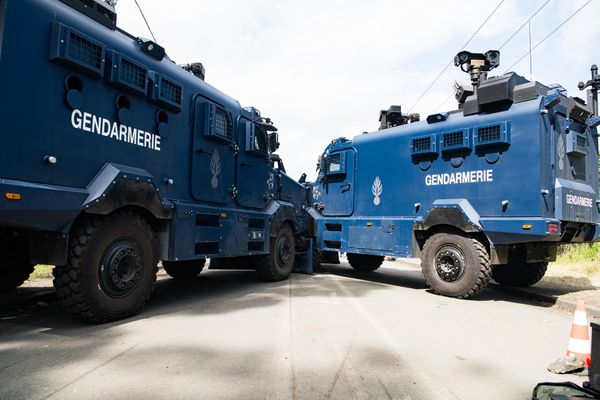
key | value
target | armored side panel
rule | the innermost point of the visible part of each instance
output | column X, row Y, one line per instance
column 520, row 166
column 96, row 120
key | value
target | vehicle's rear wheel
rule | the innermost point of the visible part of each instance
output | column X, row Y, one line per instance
column 278, row 265
column 111, row 267
column 13, row 272
column 317, row 259
column 364, row 262
column 188, row 269
column 455, row 266
column 519, row 274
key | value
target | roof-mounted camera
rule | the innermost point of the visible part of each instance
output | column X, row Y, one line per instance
column 477, row 64
column 394, row 117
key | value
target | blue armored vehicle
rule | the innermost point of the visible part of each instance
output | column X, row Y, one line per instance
column 114, row 157
column 488, row 191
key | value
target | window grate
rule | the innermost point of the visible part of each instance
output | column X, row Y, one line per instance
column 133, row 74
column 171, row 91
column 489, row 134
column 453, row 139
column 223, row 125
column 421, row 144
column 581, row 142
column 84, row 51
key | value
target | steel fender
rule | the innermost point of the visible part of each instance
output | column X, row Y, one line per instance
column 118, row 186
column 458, row 213
column 281, row 212
column 42, row 207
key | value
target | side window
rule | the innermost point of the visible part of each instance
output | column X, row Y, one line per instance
column 217, row 122
column 223, row 125
column 335, row 164
column 335, row 167
column 257, row 139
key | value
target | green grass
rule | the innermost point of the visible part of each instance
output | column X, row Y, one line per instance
column 41, row 272
column 586, row 252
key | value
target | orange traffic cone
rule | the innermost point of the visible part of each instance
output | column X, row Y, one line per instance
column 579, row 341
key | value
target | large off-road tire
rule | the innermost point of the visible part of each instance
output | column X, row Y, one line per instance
column 455, row 266
column 519, row 274
column 364, row 262
column 184, row 270
column 13, row 272
column 111, row 267
column 278, row 264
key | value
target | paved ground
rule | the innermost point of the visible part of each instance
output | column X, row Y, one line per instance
column 337, row 335
column 563, row 293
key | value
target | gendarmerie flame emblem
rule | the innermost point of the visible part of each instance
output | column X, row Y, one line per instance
column 215, row 169
column 377, row 189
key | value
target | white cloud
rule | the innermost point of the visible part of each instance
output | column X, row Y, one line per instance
column 324, row 69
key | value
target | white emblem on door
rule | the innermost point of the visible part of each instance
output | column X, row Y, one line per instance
column 215, row 169
column 316, row 194
column 377, row 189
column 271, row 182
column 560, row 149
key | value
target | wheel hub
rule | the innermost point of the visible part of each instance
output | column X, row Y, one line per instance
column 449, row 263
column 283, row 252
column 121, row 269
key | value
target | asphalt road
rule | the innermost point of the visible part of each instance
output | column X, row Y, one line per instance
column 338, row 335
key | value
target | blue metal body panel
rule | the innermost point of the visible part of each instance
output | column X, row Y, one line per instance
column 526, row 182
column 85, row 112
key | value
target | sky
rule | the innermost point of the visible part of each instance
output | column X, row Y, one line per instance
column 322, row 69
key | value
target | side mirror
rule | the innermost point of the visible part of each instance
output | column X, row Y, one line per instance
column 273, row 142
column 322, row 164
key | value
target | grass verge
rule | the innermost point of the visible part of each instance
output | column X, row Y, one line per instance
column 41, row 272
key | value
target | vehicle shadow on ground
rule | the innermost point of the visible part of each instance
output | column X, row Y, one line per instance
column 389, row 276
column 212, row 292
column 412, row 279
column 558, row 286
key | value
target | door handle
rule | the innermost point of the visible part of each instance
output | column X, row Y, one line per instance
column 346, row 187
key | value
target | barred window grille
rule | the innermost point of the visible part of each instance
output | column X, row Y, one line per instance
column 489, row 134
column 223, row 125
column 421, row 144
column 170, row 91
column 581, row 142
column 84, row 51
column 133, row 74
column 453, row 139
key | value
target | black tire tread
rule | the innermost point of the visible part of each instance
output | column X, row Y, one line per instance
column 364, row 262
column 265, row 265
column 317, row 259
column 14, row 275
column 519, row 275
column 67, row 279
column 184, row 270
column 484, row 273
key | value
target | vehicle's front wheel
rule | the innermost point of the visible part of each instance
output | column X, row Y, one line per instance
column 278, row 265
column 364, row 262
column 455, row 266
column 519, row 274
column 184, row 270
column 111, row 267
